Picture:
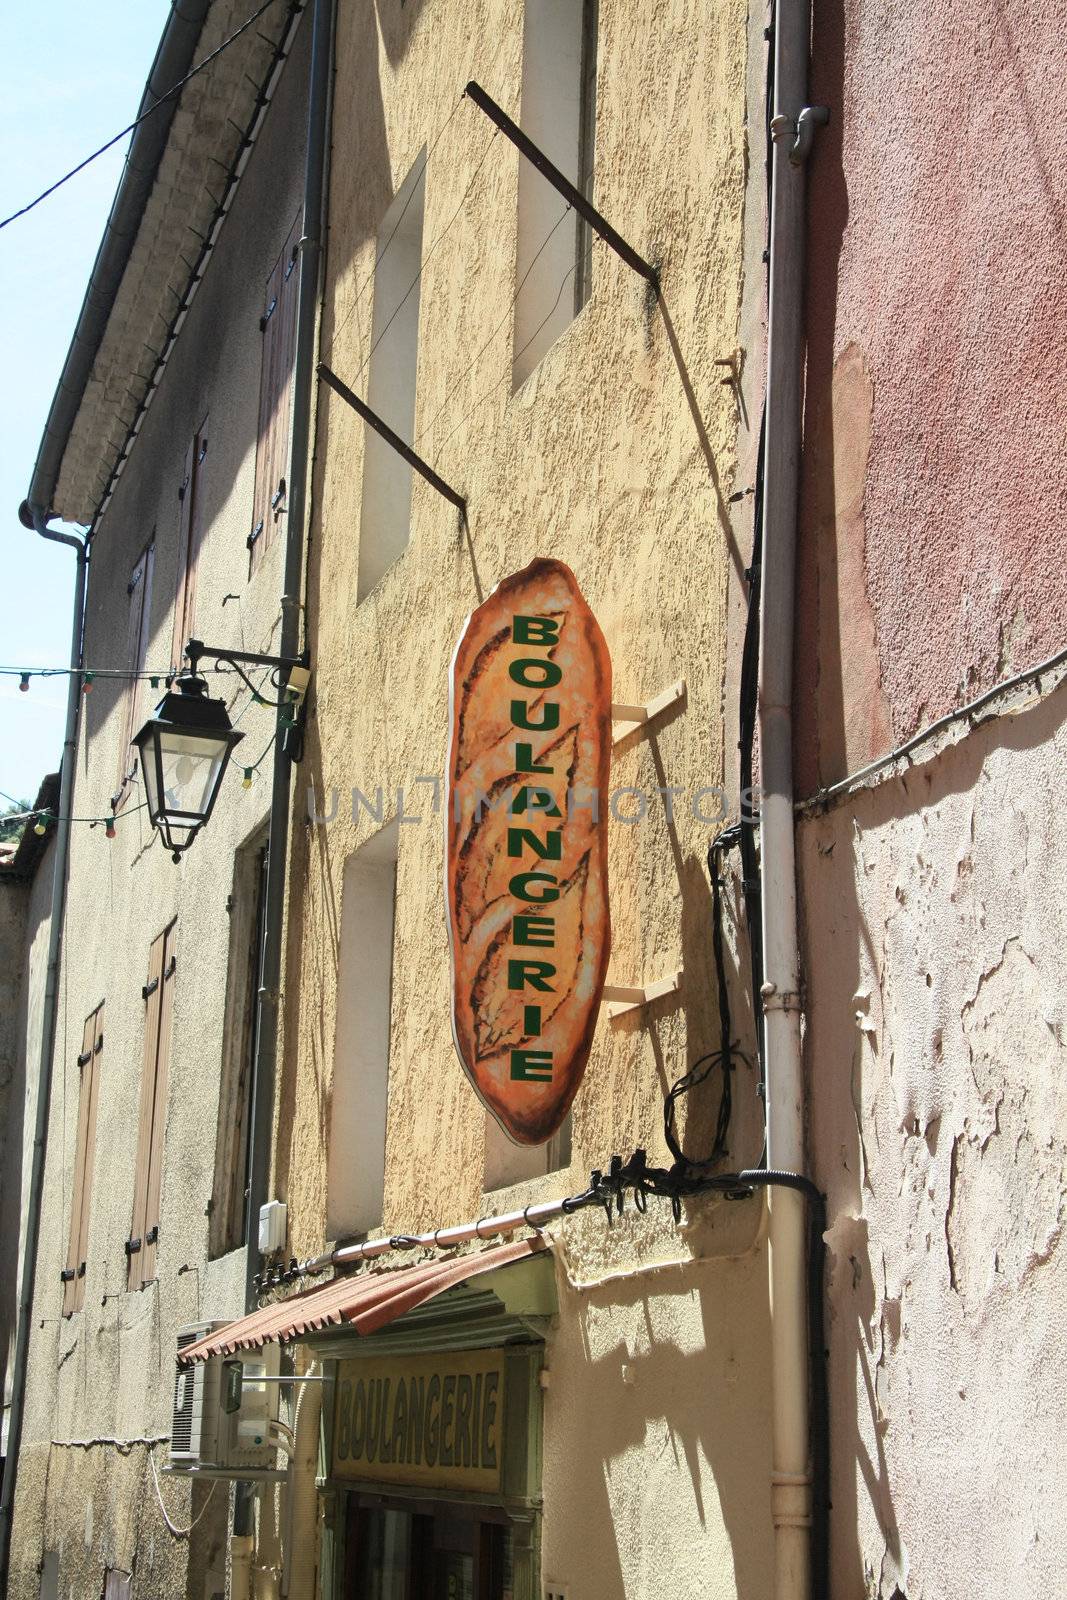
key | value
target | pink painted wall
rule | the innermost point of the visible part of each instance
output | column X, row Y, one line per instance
column 935, row 490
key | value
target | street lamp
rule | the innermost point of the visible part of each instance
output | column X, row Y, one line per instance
column 184, row 748
column 185, row 745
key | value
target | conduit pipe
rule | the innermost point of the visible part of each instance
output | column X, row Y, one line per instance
column 36, row 517
column 302, row 1500
column 241, row 1566
column 267, row 1023
column 792, row 127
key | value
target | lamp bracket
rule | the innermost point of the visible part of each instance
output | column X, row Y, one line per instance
column 290, row 674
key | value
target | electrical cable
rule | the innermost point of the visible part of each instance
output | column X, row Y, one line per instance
column 172, row 1528
column 510, row 308
column 168, row 95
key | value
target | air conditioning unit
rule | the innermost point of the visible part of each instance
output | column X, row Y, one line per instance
column 219, row 1424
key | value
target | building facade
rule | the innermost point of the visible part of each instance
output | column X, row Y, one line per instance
column 593, row 1364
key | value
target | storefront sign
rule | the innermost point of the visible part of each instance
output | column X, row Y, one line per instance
column 526, row 861
column 428, row 1421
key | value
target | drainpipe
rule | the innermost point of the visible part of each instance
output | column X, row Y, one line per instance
column 34, row 516
column 792, row 128
column 310, row 247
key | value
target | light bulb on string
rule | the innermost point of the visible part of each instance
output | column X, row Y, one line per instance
column 109, row 828
column 24, row 683
column 246, row 781
column 40, row 827
column 88, row 684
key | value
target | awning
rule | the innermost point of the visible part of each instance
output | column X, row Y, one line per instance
column 363, row 1302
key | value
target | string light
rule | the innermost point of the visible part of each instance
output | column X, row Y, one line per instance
column 246, row 781
column 24, row 683
column 40, row 827
column 109, row 829
column 88, row 684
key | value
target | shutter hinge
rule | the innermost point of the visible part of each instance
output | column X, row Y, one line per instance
column 67, row 1275
column 132, row 1246
column 152, row 1236
column 171, row 964
column 254, row 535
column 81, row 1269
column 149, row 989
column 278, row 496
column 85, row 1057
column 99, row 1045
column 203, row 452
column 268, row 314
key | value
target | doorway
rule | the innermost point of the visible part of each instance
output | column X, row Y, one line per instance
column 425, row 1550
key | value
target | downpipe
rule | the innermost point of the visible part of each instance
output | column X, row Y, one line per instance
column 796, row 1576
column 302, row 1496
column 310, row 254
column 36, row 517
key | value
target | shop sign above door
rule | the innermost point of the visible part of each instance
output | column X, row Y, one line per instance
column 427, row 1421
column 526, row 859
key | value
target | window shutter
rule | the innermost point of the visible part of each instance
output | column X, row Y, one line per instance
column 153, row 1178
column 88, row 1095
column 153, row 996
column 275, row 391
column 140, row 591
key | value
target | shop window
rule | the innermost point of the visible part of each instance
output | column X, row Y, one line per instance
column 229, row 1200
column 158, row 996
column 385, row 522
column 507, row 1163
column 131, row 702
column 278, row 326
column 90, row 1063
column 191, row 496
column 356, row 1166
column 554, row 256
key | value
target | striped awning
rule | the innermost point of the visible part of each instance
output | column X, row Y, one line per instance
column 363, row 1302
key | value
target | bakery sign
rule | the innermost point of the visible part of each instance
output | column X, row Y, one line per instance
column 526, row 855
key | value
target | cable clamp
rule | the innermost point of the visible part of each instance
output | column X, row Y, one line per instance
column 802, row 131
column 779, row 1000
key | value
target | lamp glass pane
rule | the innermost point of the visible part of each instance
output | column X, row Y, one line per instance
column 192, row 765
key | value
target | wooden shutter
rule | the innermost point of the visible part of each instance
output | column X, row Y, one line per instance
column 139, row 589
column 158, row 997
column 89, row 1062
column 275, row 393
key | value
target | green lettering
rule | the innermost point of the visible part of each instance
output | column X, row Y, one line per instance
column 532, row 798
column 533, row 930
column 531, row 1021
column 433, row 1420
column 532, row 673
column 520, row 716
column 533, row 973
column 524, row 761
column 534, row 630
column 416, row 1401
column 549, row 848
column 488, row 1450
column 531, row 1066
column 476, row 1412
column 344, row 1420
column 463, row 1420
column 400, row 1422
column 519, row 886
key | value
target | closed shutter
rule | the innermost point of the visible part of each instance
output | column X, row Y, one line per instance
column 158, row 997
column 89, row 1063
column 139, row 589
column 275, row 397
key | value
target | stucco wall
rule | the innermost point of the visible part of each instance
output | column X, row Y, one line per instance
column 937, row 338
column 934, row 938
column 598, row 460
column 106, row 1373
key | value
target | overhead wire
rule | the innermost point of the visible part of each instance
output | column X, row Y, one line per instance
column 144, row 116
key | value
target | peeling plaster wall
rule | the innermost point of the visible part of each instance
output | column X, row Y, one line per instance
column 934, row 934
column 599, row 460
column 937, row 340
column 106, row 1373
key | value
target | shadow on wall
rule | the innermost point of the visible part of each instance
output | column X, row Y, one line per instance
column 661, row 1434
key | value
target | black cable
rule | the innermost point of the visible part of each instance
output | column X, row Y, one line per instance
column 168, row 95
column 748, row 697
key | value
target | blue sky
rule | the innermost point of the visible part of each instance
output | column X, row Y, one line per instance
column 74, row 74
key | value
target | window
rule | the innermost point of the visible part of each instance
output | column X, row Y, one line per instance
column 229, row 1199
column 507, row 1163
column 139, row 590
column 278, row 326
column 554, row 257
column 158, row 994
column 356, row 1168
column 385, row 523
column 89, row 1063
column 190, row 533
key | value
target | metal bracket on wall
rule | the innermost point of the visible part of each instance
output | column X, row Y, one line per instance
column 636, row 716
column 621, row 998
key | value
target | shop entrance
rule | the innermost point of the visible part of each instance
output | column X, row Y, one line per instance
column 425, row 1550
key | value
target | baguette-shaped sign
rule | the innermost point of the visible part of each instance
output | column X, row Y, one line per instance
column 526, row 860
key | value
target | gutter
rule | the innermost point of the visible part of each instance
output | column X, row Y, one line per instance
column 34, row 516
column 800, row 1553
column 173, row 59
